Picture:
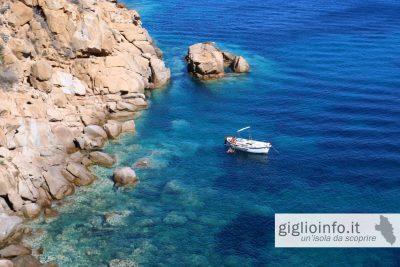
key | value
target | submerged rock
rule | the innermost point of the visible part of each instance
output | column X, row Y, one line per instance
column 173, row 187
column 116, row 218
column 174, row 218
column 122, row 263
column 142, row 163
column 146, row 223
column 125, row 176
column 50, row 213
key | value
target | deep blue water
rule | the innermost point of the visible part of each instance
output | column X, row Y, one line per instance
column 324, row 89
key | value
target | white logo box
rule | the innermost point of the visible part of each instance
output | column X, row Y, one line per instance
column 337, row 230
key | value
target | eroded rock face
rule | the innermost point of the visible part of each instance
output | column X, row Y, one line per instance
column 207, row 62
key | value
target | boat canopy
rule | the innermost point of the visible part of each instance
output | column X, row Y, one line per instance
column 245, row 128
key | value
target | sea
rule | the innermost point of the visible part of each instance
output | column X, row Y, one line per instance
column 324, row 89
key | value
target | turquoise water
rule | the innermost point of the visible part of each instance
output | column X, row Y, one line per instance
column 324, row 89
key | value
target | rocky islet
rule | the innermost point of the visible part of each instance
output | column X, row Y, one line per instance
column 207, row 62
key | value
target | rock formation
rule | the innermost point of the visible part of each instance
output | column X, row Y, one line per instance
column 73, row 74
column 125, row 176
column 101, row 158
column 207, row 62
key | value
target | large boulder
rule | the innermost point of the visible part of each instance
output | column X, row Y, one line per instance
column 95, row 131
column 31, row 210
column 240, row 65
column 205, row 61
column 16, row 201
column 26, row 261
column 20, row 14
column 160, row 74
column 125, row 176
column 8, row 225
column 93, row 36
column 101, row 158
column 58, row 185
column 12, row 251
column 128, row 126
column 113, row 129
column 94, row 137
column 65, row 137
column 82, row 176
column 42, row 70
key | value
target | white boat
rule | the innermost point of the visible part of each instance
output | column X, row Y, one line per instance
column 247, row 145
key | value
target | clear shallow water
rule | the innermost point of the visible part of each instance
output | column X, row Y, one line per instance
column 324, row 88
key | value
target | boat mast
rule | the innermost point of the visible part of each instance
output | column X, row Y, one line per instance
column 245, row 128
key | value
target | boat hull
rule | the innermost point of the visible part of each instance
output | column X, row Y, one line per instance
column 248, row 146
column 251, row 150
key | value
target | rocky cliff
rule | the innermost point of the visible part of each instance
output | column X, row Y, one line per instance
column 72, row 72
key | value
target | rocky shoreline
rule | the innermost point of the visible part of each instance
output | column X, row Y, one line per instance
column 73, row 75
